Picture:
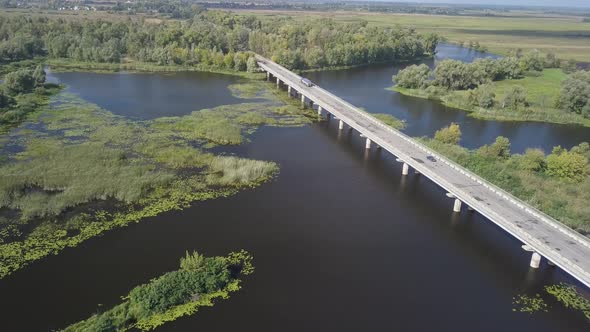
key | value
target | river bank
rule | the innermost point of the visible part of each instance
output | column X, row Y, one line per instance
column 320, row 227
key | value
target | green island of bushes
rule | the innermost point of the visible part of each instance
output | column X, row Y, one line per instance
column 77, row 171
column 197, row 283
column 517, row 88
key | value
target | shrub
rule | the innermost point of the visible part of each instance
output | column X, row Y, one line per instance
column 515, row 98
column 533, row 160
column 483, row 96
column 499, row 149
column 251, row 65
column 449, row 135
column 567, row 166
column 20, row 81
column 192, row 261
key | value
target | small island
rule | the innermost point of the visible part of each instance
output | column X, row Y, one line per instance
column 529, row 87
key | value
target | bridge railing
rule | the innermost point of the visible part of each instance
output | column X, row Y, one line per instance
column 495, row 189
column 564, row 262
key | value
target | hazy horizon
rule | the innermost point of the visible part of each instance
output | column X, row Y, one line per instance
column 545, row 3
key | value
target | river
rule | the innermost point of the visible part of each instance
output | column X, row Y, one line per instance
column 341, row 242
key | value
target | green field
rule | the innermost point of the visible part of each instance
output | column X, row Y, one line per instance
column 567, row 36
column 542, row 91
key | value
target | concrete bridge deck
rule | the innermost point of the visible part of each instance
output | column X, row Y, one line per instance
column 541, row 234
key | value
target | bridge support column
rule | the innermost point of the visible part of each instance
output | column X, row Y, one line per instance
column 535, row 257
column 457, row 205
column 302, row 100
column 268, row 76
column 341, row 125
column 535, row 260
column 278, row 83
column 368, row 144
column 289, row 91
column 405, row 166
column 319, row 110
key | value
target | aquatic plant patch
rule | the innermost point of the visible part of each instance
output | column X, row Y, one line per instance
column 78, row 170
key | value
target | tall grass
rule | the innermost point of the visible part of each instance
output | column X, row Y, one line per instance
column 84, row 171
column 226, row 171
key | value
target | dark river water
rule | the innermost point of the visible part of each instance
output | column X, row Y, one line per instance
column 341, row 242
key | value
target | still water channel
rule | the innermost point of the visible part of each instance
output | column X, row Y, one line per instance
column 341, row 241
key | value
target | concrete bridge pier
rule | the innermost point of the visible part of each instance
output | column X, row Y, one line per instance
column 405, row 169
column 319, row 110
column 268, row 76
column 341, row 125
column 457, row 204
column 535, row 257
column 278, row 83
column 368, row 144
column 289, row 91
column 302, row 100
column 405, row 166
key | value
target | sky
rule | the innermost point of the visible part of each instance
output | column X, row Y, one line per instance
column 553, row 3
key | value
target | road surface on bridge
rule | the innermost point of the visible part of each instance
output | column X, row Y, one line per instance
column 557, row 243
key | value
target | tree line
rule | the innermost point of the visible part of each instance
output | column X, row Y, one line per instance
column 452, row 75
column 211, row 39
column 570, row 166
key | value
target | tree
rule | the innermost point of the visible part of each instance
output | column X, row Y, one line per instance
column 20, row 81
column 515, row 98
column 499, row 149
column 569, row 66
column 39, row 76
column 449, row 135
column 240, row 61
column 551, row 61
column 483, row 96
column 413, row 77
column 456, row 75
column 532, row 61
column 251, row 65
column 575, row 92
column 533, row 160
column 430, row 42
column 567, row 166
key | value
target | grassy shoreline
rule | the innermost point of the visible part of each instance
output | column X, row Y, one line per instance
column 67, row 65
column 548, row 115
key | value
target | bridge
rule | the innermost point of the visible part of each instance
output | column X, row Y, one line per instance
column 540, row 234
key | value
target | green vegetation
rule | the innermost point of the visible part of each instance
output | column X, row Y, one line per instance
column 513, row 88
column 23, row 91
column 529, row 304
column 390, row 120
column 500, row 34
column 197, row 283
column 208, row 41
column 81, row 171
column 449, row 135
column 570, row 298
column 557, row 184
